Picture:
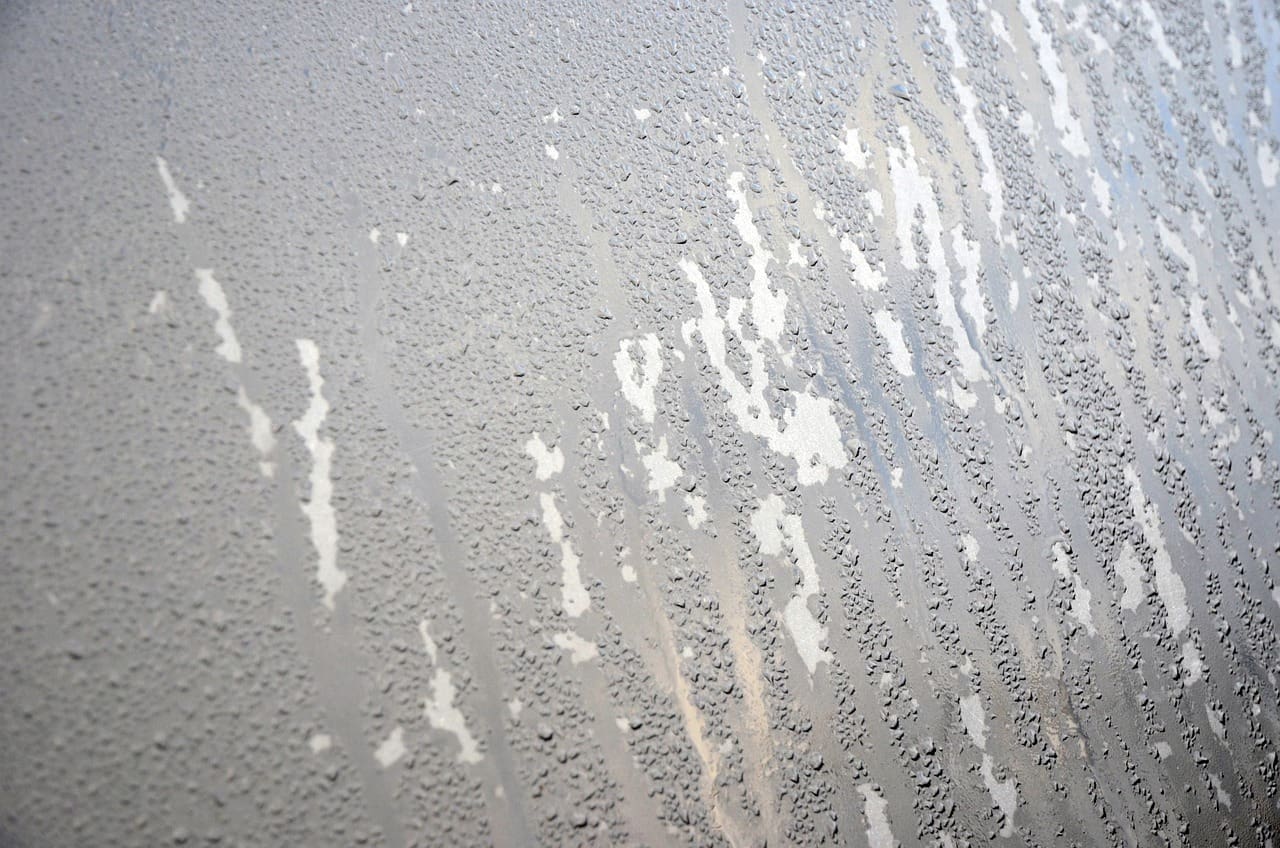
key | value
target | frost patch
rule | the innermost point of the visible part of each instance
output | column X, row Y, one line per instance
column 809, row 434
column 991, row 185
column 851, row 150
column 697, row 510
column 391, row 749
column 433, row 651
column 963, row 398
column 259, row 431
column 1001, row 29
column 1209, row 342
column 177, row 200
column 320, row 742
column 1157, row 36
column 774, row 528
column 663, row 472
column 216, row 299
column 1178, row 248
column 912, row 190
column 864, row 275
column 1081, row 609
column 1168, row 584
column 949, row 32
column 1219, row 133
column 580, row 650
column 768, row 308
column 1069, row 131
column 1081, row 596
column 876, row 199
column 975, row 721
column 439, row 709
column 575, row 599
column 1003, row 792
column 1224, row 797
column 1216, row 725
column 1236, row 49
column 968, row 255
column 1268, row 164
column 639, row 392
column 795, row 258
column 443, row 715
column 875, row 808
column 891, row 329
column 766, row 524
column 548, row 461
column 1101, row 191
column 1192, row 663
column 319, row 507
